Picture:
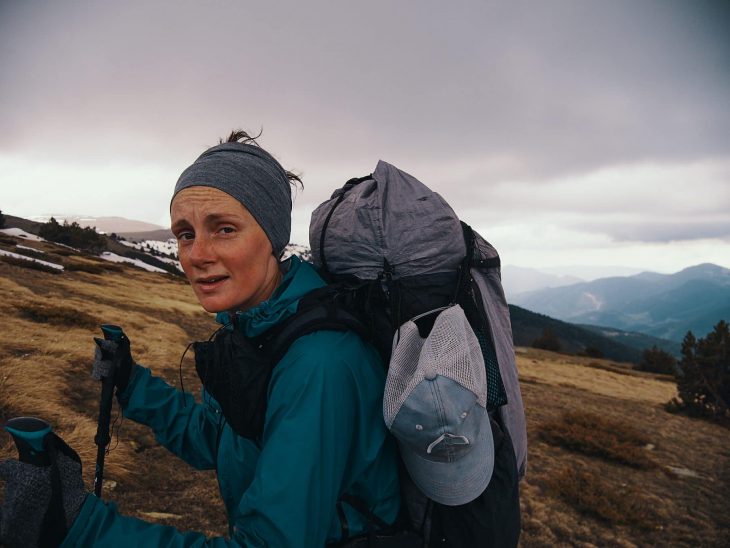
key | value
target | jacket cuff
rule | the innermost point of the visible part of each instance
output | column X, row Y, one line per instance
column 87, row 514
column 134, row 376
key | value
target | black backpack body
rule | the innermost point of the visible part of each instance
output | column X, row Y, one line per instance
column 492, row 519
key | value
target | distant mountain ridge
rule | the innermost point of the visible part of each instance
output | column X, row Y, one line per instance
column 661, row 305
column 107, row 225
column 160, row 235
column 519, row 279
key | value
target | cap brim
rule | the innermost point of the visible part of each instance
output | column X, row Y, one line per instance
column 458, row 482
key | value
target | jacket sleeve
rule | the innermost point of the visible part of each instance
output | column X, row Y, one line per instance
column 187, row 429
column 308, row 438
column 100, row 524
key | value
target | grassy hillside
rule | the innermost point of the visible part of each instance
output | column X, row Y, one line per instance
column 528, row 326
column 608, row 466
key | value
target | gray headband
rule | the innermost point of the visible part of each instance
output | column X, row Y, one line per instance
column 254, row 178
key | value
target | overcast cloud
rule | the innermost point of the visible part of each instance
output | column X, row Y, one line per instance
column 566, row 132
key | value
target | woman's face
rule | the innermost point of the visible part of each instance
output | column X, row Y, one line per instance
column 225, row 254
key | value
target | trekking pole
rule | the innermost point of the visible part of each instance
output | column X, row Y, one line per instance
column 102, row 438
column 33, row 438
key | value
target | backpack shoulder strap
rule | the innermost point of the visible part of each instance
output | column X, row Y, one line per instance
column 318, row 310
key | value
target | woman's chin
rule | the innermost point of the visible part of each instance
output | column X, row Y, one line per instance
column 212, row 306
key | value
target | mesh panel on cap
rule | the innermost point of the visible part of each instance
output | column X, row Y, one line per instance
column 451, row 350
column 402, row 371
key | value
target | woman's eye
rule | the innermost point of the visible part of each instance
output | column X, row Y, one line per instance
column 227, row 230
column 182, row 236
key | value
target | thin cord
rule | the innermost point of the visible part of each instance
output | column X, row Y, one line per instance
column 182, row 383
column 115, row 428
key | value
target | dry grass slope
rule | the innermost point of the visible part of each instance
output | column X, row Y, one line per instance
column 592, row 495
column 579, row 412
column 591, row 423
column 46, row 348
column 595, row 435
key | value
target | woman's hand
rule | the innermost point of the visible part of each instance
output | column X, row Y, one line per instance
column 113, row 357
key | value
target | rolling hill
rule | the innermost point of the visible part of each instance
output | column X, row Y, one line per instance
column 578, row 339
column 156, row 252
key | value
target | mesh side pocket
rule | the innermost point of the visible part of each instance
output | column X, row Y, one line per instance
column 496, row 394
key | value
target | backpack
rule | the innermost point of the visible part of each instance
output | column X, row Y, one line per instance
column 392, row 250
column 395, row 250
column 398, row 250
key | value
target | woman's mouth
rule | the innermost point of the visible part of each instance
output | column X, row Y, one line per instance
column 210, row 283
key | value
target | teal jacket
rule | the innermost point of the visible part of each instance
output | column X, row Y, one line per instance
column 323, row 437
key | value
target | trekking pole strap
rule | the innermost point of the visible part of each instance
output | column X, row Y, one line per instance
column 102, row 437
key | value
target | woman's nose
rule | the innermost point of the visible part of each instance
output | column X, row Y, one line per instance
column 202, row 251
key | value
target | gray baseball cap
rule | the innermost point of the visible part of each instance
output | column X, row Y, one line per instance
column 434, row 404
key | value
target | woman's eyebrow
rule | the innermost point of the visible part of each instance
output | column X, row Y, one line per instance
column 209, row 219
column 177, row 225
column 213, row 217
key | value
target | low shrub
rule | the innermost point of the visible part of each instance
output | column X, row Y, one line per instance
column 547, row 341
column 58, row 315
column 90, row 268
column 33, row 265
column 64, row 252
column 31, row 253
column 112, row 267
column 5, row 239
column 591, row 352
column 597, row 436
column 591, row 494
column 98, row 266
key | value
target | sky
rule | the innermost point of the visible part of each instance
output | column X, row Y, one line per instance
column 572, row 135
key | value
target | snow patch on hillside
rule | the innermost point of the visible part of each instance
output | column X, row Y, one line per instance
column 19, row 233
column 19, row 246
column 168, row 247
column 30, row 259
column 151, row 247
column 301, row 251
column 114, row 258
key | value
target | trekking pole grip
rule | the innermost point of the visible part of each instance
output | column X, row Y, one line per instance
column 29, row 435
column 102, row 438
column 34, row 439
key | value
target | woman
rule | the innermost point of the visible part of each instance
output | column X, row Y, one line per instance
column 323, row 435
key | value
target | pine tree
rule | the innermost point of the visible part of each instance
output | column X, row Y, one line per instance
column 547, row 341
column 704, row 383
column 73, row 235
column 656, row 360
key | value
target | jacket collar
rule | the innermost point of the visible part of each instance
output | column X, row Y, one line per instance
column 300, row 279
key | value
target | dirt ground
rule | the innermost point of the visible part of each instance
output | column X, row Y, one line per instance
column 44, row 372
